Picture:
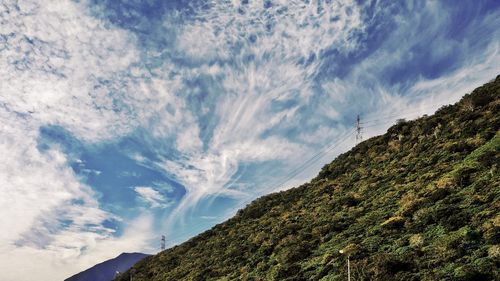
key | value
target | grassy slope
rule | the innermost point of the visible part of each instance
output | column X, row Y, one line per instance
column 417, row 203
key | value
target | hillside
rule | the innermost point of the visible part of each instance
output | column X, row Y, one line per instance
column 106, row 271
column 420, row 202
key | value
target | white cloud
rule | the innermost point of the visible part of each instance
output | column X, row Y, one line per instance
column 72, row 251
column 151, row 196
column 366, row 90
column 40, row 193
column 67, row 68
column 208, row 217
column 60, row 66
column 188, row 139
column 56, row 71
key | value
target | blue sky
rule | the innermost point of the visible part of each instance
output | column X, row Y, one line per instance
column 123, row 120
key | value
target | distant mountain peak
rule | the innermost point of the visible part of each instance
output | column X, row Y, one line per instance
column 107, row 270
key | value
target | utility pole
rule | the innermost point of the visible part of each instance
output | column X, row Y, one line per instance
column 359, row 136
column 348, row 269
column 348, row 265
column 162, row 245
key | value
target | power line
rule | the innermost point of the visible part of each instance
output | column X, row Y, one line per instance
column 318, row 156
column 327, row 148
column 359, row 138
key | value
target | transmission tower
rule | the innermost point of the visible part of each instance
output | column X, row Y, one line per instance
column 162, row 245
column 359, row 135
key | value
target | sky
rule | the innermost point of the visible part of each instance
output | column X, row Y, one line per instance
column 122, row 120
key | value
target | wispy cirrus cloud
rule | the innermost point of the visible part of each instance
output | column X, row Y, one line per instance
column 151, row 196
column 264, row 59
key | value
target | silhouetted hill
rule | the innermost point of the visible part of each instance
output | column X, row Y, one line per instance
column 420, row 202
column 106, row 271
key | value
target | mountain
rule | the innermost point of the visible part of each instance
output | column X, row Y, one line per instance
column 106, row 271
column 420, row 202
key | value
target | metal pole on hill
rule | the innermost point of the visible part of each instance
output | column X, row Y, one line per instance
column 359, row 136
column 348, row 265
column 348, row 269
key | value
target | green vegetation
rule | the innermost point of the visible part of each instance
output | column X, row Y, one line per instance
column 420, row 202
